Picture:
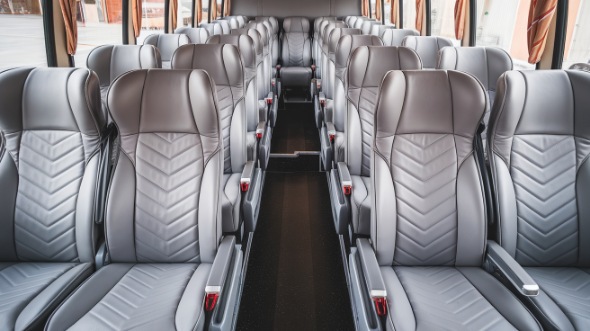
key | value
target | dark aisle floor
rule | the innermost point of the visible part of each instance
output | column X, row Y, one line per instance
column 295, row 278
column 295, row 129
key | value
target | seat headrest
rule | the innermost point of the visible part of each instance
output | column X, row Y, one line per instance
column 274, row 23
column 150, row 101
column 455, row 104
column 263, row 30
column 255, row 35
column 348, row 44
column 213, row 28
column 221, row 61
column 549, row 102
column 66, row 99
column 326, row 33
column 427, row 47
column 368, row 25
column 167, row 43
column 318, row 21
column 296, row 24
column 368, row 64
column 377, row 30
column 485, row 63
column 196, row 35
column 225, row 28
column 245, row 46
column 338, row 33
column 111, row 61
column 395, row 37
column 581, row 66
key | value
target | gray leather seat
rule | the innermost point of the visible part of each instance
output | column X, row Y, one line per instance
column 213, row 28
column 328, row 79
column 318, row 59
column 296, row 52
column 242, row 20
column 485, row 63
column 367, row 66
column 368, row 26
column 249, row 56
column 111, row 61
column 395, row 37
column 163, row 227
column 378, row 29
column 265, row 39
column 223, row 63
column 316, row 46
column 428, row 231
column 427, row 48
column 233, row 22
column 195, row 35
column 275, row 29
column 51, row 123
column 581, row 66
column 167, row 45
column 225, row 28
column 539, row 147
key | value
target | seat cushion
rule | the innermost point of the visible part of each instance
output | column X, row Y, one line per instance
column 569, row 290
column 137, row 297
column 296, row 76
column 361, row 206
column 29, row 292
column 448, row 298
column 230, row 202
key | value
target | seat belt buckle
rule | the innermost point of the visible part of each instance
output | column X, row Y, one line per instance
column 332, row 136
column 380, row 306
column 268, row 101
column 211, row 299
column 245, row 184
column 347, row 188
column 259, row 133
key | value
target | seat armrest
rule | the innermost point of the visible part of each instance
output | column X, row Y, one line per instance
column 322, row 98
column 498, row 259
column 345, row 178
column 370, row 268
column 331, row 129
column 260, row 130
column 247, row 175
column 219, row 272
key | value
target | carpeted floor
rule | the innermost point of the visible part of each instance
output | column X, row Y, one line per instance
column 295, row 278
column 295, row 129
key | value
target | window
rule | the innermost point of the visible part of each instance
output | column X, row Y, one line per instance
column 99, row 23
column 204, row 11
column 442, row 16
column 22, row 34
column 577, row 43
column 184, row 18
column 152, row 20
column 503, row 23
column 387, row 11
column 409, row 14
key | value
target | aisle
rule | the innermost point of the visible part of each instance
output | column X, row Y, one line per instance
column 295, row 279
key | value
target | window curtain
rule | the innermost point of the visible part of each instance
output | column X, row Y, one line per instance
column 393, row 18
column 227, row 8
column 378, row 13
column 136, row 14
column 173, row 14
column 419, row 14
column 213, row 10
column 68, row 10
column 365, row 8
column 540, row 15
column 460, row 17
column 199, row 13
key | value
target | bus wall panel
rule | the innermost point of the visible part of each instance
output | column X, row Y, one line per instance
column 287, row 8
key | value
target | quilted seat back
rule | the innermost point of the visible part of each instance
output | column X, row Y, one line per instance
column 296, row 42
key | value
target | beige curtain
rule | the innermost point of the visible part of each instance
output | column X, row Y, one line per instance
column 227, row 8
column 393, row 12
column 173, row 14
column 460, row 17
column 213, row 10
column 419, row 15
column 378, row 10
column 365, row 8
column 540, row 15
column 199, row 13
column 136, row 14
column 68, row 10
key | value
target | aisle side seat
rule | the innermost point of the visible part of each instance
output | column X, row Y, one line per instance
column 195, row 35
column 296, row 53
column 395, row 37
column 427, row 48
column 167, row 44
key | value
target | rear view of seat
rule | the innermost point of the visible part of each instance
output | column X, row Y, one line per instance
column 296, row 52
column 274, row 36
column 581, row 66
column 163, row 227
column 213, row 28
column 366, row 68
column 378, row 29
column 51, row 123
column 196, row 35
column 539, row 147
column 225, row 28
column 422, row 269
column 316, row 46
column 368, row 26
column 327, row 81
column 395, row 37
column 427, row 48
column 111, row 61
column 167, row 45
column 485, row 63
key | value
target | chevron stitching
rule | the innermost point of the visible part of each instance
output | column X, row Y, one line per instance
column 226, row 108
column 366, row 109
column 424, row 171
column 22, row 281
column 442, row 298
column 148, row 295
column 543, row 170
column 169, row 169
column 51, row 168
